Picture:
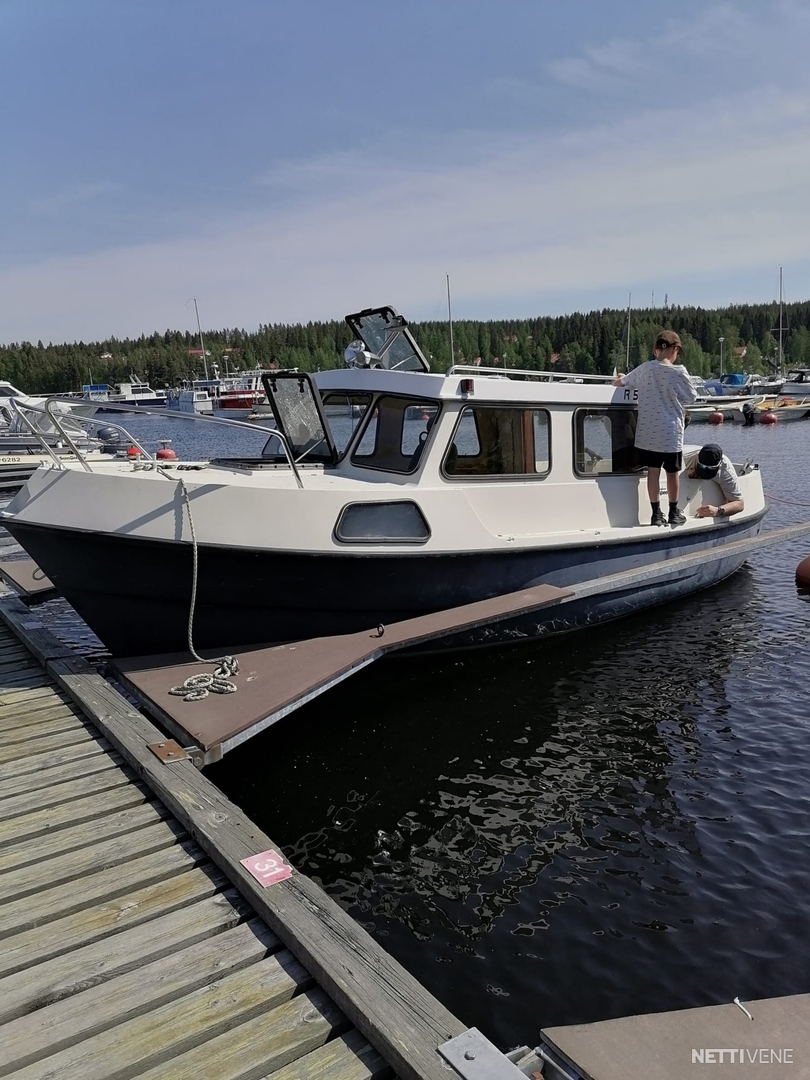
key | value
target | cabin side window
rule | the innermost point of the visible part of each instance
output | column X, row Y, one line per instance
column 499, row 440
column 395, row 434
column 604, row 441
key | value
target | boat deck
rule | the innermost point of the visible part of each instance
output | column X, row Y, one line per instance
column 135, row 940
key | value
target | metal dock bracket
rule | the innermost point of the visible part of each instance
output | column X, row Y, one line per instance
column 474, row 1057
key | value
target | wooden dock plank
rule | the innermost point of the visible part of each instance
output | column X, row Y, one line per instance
column 103, row 885
column 51, row 723
column 31, row 946
column 52, row 819
column 158, row 1037
column 34, row 713
column 387, row 1004
column 263, row 1043
column 88, row 863
column 348, row 1057
column 25, row 696
column 17, row 750
column 72, row 837
column 64, row 1023
column 56, row 778
column 40, row 763
column 118, row 952
column 69, row 936
column 45, row 798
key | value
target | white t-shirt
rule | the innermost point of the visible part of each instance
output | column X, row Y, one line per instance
column 663, row 392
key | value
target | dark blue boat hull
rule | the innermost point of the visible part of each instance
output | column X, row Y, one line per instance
column 135, row 594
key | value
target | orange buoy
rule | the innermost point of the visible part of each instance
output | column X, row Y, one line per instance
column 716, row 417
column 768, row 418
column 803, row 573
column 133, row 452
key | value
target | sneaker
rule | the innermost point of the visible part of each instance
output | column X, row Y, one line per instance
column 658, row 517
column 676, row 517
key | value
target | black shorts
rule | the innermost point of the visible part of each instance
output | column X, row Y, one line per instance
column 653, row 460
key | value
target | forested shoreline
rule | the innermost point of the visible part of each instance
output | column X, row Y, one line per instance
column 594, row 343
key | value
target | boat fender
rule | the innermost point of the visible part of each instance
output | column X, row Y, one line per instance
column 716, row 417
column 768, row 418
column 133, row 452
column 803, row 573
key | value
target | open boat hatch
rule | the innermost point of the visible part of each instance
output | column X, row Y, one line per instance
column 300, row 418
column 384, row 340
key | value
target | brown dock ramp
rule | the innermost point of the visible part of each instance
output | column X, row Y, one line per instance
column 768, row 1038
column 26, row 578
column 150, row 929
column 275, row 680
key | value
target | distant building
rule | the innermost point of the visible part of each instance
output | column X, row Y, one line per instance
column 106, row 356
column 740, row 351
column 198, row 352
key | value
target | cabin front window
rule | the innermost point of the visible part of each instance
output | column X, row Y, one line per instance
column 499, row 440
column 604, row 441
column 395, row 434
column 344, row 410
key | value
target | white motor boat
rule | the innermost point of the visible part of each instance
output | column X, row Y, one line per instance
column 135, row 392
column 386, row 492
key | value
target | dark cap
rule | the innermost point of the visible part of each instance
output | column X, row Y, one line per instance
column 708, row 462
column 710, row 454
column 668, row 337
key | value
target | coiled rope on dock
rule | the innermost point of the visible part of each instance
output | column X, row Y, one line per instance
column 197, row 687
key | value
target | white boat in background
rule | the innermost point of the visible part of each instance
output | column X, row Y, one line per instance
column 796, row 383
column 349, row 521
column 135, row 392
column 192, row 401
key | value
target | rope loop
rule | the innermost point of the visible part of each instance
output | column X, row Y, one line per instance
column 197, row 687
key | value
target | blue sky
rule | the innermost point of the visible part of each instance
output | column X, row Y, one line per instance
column 284, row 162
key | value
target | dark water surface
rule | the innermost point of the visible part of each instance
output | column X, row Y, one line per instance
column 616, row 822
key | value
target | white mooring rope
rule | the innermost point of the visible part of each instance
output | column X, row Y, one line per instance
column 197, row 687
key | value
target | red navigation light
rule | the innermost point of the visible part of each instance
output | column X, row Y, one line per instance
column 466, row 386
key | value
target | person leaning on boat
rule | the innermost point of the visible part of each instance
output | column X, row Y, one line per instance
column 664, row 390
column 710, row 463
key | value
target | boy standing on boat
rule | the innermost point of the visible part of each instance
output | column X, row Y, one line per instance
column 664, row 390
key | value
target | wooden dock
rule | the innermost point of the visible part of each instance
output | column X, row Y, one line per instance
column 135, row 940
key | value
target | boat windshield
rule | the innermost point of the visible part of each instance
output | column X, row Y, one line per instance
column 300, row 418
column 386, row 335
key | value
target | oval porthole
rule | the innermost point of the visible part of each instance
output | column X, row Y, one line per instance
column 382, row 523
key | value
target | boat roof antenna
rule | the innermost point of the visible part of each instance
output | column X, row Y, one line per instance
column 199, row 331
column 450, row 321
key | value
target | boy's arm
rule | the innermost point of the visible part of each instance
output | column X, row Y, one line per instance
column 684, row 389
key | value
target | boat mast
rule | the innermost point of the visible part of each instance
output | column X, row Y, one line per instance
column 627, row 354
column 781, row 353
column 202, row 344
column 450, row 321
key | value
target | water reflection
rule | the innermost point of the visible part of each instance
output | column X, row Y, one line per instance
column 465, row 804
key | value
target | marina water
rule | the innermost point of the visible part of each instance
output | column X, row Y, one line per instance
column 611, row 823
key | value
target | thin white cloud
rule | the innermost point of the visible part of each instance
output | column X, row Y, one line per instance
column 719, row 31
column 72, row 196
column 563, row 216
column 601, row 65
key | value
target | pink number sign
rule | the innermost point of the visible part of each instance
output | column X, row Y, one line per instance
column 268, row 867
